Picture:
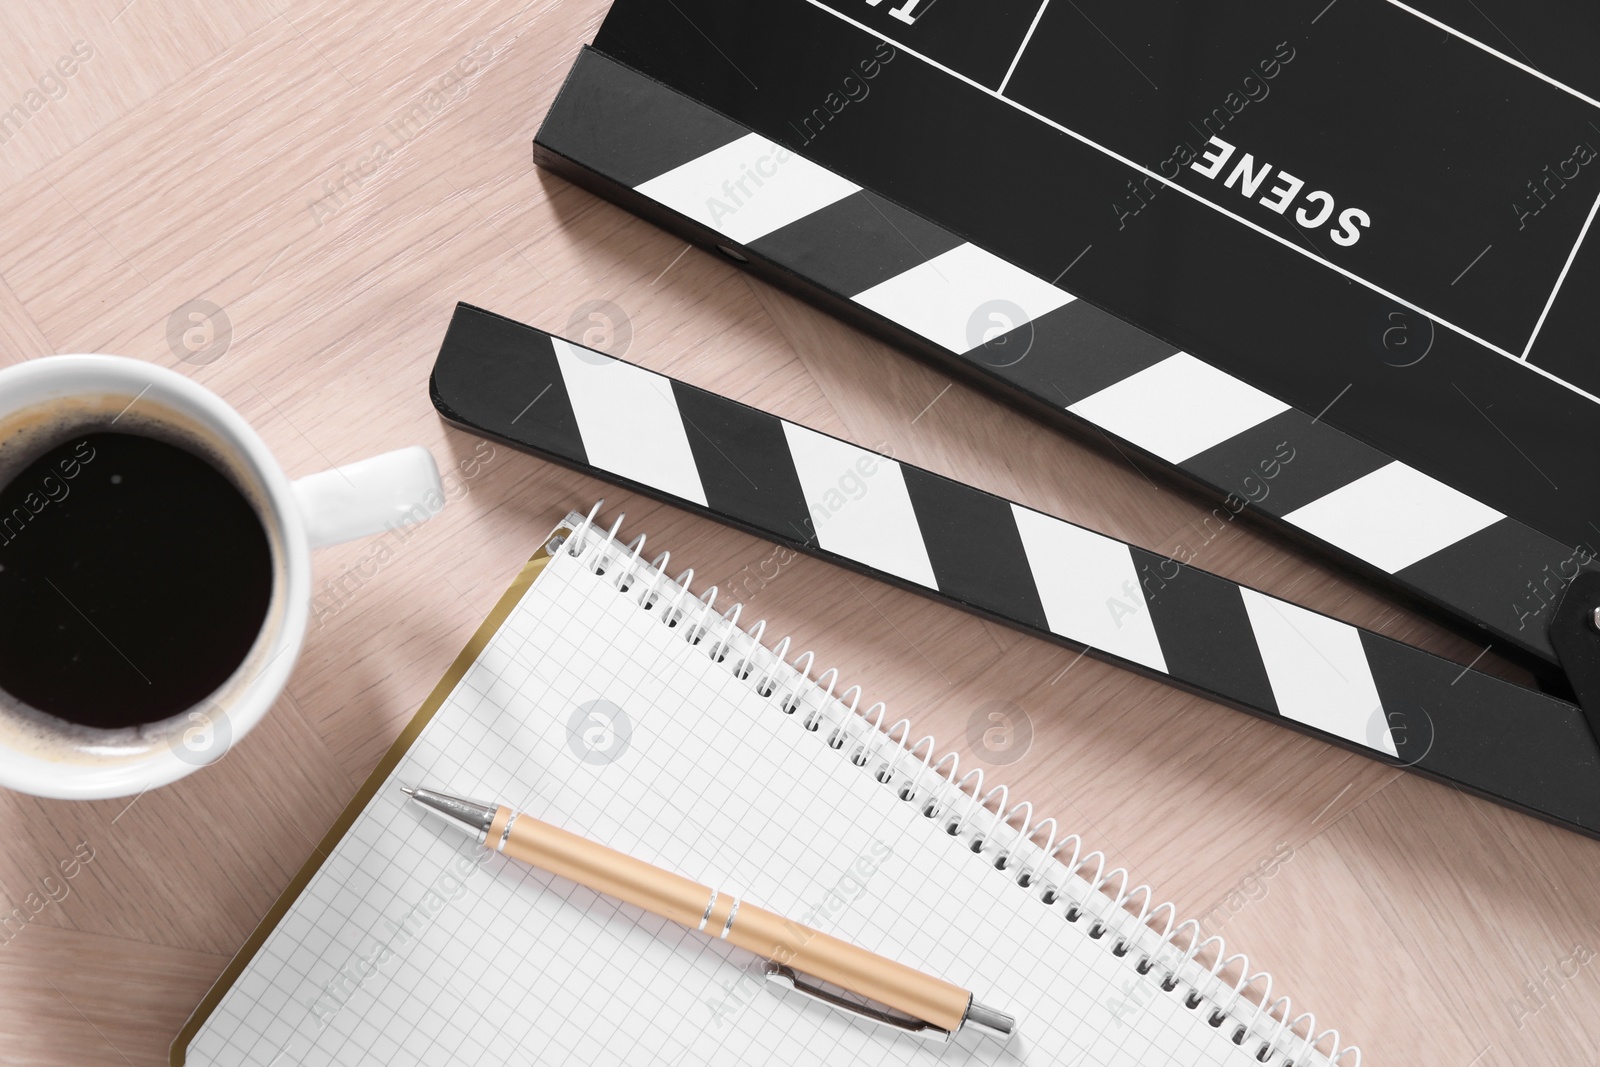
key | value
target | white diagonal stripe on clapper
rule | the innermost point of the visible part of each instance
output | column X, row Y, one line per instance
column 1178, row 408
column 1319, row 671
column 960, row 298
column 629, row 421
column 1089, row 587
column 748, row 188
column 1394, row 516
column 859, row 505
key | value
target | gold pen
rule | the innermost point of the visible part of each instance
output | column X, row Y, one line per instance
column 932, row 1007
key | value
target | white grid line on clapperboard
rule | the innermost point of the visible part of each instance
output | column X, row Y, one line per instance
column 531, row 648
column 1563, row 86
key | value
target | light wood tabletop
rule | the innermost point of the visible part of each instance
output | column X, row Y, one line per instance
column 159, row 153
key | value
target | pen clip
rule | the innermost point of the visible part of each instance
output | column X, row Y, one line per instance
column 778, row 974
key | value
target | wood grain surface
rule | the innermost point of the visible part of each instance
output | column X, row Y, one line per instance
column 227, row 151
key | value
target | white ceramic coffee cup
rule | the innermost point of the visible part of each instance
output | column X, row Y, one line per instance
column 54, row 396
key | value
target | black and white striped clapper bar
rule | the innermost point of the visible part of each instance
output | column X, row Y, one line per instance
column 1061, row 582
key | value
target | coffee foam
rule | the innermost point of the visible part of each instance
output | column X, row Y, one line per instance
column 26, row 435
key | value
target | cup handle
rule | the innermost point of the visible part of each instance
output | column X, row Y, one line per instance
column 367, row 497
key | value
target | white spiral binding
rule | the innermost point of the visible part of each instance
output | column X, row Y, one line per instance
column 1262, row 1023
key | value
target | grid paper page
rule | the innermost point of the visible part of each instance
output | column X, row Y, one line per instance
column 413, row 946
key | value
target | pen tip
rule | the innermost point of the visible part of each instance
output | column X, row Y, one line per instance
column 408, row 791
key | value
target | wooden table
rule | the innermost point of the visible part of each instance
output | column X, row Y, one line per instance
column 226, row 151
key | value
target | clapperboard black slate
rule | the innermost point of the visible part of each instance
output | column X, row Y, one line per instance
column 1360, row 230
column 957, row 544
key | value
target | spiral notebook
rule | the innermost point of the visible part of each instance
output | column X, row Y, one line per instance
column 612, row 700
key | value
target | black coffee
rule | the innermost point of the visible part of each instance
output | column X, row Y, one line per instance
column 134, row 578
